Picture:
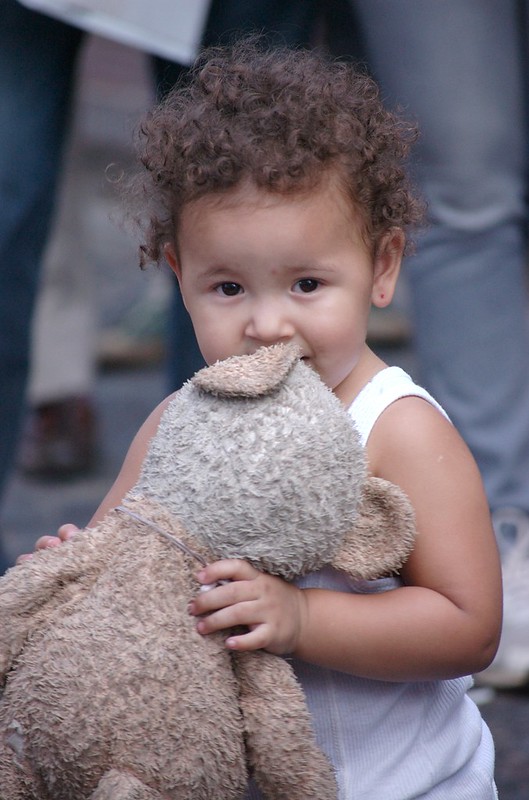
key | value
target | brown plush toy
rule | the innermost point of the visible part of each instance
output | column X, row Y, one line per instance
column 108, row 692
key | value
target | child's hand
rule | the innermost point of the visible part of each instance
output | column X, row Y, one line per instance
column 272, row 609
column 64, row 533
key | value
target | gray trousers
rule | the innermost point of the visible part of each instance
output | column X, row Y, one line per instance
column 458, row 68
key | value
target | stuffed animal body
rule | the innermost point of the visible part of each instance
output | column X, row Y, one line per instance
column 108, row 691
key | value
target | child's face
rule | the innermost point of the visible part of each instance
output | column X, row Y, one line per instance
column 257, row 269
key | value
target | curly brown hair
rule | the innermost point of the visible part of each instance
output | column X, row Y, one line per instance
column 281, row 118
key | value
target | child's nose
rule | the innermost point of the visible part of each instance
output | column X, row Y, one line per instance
column 269, row 324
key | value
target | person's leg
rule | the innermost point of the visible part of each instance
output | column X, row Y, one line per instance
column 289, row 23
column 457, row 68
column 65, row 319
column 37, row 56
column 58, row 438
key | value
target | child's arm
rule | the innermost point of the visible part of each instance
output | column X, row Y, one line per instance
column 443, row 623
column 131, row 468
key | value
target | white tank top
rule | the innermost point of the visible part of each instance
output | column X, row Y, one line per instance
column 383, row 389
column 398, row 741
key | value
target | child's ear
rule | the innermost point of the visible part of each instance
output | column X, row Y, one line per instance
column 171, row 258
column 386, row 268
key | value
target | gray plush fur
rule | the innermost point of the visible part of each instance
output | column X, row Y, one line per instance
column 108, row 690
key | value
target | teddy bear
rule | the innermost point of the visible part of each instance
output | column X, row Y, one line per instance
column 107, row 689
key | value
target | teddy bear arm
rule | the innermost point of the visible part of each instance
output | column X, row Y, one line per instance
column 282, row 753
column 383, row 535
column 30, row 593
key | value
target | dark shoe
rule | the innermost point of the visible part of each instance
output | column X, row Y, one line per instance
column 59, row 440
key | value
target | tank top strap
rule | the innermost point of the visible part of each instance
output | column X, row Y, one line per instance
column 387, row 386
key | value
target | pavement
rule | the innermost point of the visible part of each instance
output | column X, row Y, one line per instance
column 124, row 397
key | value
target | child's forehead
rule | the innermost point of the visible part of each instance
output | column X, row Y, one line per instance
column 248, row 210
column 248, row 196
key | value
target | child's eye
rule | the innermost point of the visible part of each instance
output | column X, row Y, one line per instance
column 307, row 285
column 229, row 289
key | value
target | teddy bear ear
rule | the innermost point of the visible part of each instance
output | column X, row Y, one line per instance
column 252, row 375
column 383, row 534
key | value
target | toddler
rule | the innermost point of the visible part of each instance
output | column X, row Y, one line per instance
column 274, row 185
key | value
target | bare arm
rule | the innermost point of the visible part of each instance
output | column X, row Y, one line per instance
column 444, row 622
column 130, row 470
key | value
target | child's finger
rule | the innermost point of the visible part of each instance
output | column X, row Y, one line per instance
column 67, row 531
column 23, row 557
column 228, row 569
column 44, row 542
column 220, row 596
column 64, row 534
column 236, row 616
column 253, row 640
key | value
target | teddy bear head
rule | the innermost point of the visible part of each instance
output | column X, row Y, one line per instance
column 259, row 460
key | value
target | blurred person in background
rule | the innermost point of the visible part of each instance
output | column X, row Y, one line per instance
column 459, row 68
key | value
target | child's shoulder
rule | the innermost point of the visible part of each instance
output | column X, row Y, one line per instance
column 414, row 444
column 390, row 388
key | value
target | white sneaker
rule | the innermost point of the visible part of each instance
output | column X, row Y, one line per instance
column 510, row 668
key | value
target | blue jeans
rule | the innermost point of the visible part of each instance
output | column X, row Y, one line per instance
column 37, row 57
column 458, row 68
